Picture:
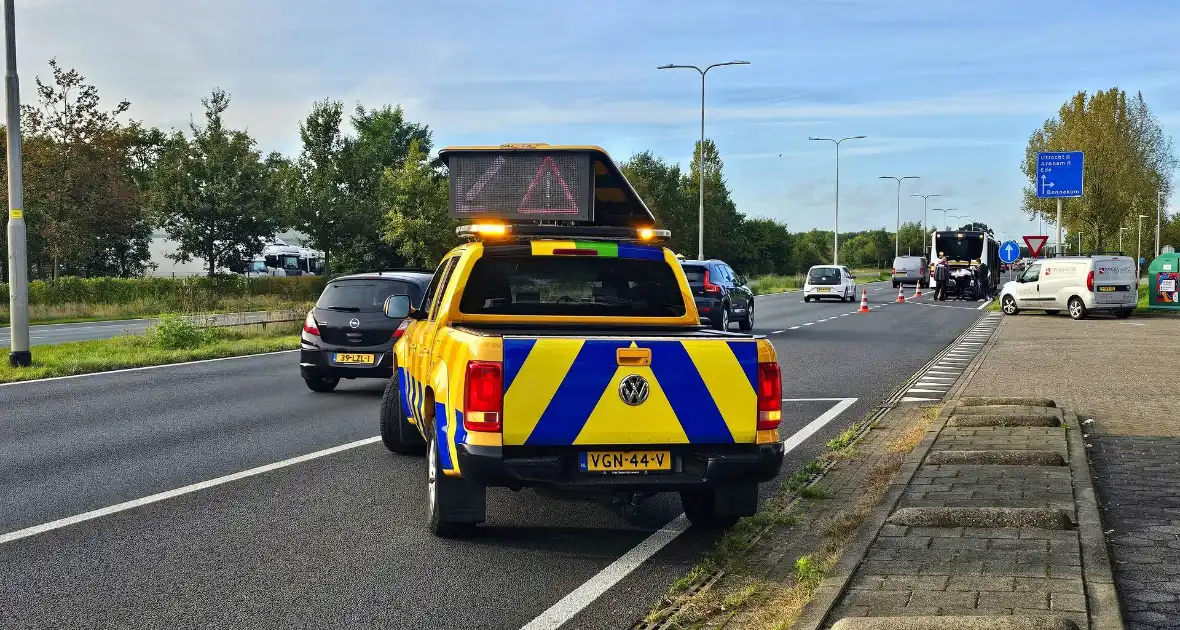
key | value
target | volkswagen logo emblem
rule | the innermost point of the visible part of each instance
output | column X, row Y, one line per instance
column 354, row 322
column 634, row 390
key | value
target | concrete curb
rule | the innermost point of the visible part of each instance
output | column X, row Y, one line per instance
column 1097, row 573
column 828, row 593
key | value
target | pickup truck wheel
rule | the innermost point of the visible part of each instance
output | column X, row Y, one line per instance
column 453, row 506
column 398, row 435
column 700, row 506
column 321, row 385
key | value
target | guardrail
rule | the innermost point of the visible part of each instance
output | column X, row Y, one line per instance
column 258, row 318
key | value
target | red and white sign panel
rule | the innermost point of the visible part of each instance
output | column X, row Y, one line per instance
column 1035, row 244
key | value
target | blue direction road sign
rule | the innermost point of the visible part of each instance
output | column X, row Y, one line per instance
column 1059, row 174
column 1009, row 252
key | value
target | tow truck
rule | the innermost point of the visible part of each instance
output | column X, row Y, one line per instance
column 560, row 347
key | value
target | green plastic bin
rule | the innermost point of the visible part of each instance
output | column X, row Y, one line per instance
column 1163, row 288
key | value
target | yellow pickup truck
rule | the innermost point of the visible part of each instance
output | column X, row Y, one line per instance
column 560, row 347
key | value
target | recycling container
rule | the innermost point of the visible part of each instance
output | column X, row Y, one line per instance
column 1163, row 283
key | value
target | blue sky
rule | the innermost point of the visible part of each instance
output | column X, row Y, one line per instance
column 946, row 90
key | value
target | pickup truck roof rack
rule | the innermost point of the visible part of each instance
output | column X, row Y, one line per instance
column 500, row 232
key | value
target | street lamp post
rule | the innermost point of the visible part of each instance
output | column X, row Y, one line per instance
column 1159, row 205
column 701, row 157
column 1121, row 238
column 960, row 217
column 18, row 271
column 1139, row 248
column 897, row 235
column 836, row 222
column 924, row 199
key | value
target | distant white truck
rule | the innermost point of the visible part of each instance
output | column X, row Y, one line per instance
column 1078, row 285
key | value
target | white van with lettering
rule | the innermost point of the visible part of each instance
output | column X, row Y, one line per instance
column 1078, row 285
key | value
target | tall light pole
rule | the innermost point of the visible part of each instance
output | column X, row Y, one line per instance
column 18, row 272
column 1121, row 238
column 924, row 199
column 897, row 235
column 701, row 157
column 1159, row 205
column 960, row 217
column 943, row 211
column 836, row 223
column 1138, row 248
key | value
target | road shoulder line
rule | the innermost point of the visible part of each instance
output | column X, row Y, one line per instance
column 168, row 494
column 145, row 367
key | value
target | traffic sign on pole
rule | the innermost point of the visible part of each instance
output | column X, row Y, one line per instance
column 1035, row 243
column 1009, row 252
column 1059, row 174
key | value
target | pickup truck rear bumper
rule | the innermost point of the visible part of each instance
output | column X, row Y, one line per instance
column 693, row 468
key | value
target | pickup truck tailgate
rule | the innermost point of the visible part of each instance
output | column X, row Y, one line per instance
column 568, row 390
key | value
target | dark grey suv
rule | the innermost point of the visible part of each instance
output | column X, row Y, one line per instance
column 347, row 334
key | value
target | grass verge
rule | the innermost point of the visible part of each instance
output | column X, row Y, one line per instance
column 173, row 341
column 149, row 308
column 733, row 584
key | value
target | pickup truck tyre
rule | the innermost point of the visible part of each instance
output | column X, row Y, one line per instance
column 398, row 435
column 748, row 322
column 453, row 506
column 321, row 385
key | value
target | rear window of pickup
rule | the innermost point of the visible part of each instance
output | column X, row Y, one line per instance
column 574, row 286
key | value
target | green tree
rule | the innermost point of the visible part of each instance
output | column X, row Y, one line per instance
column 1128, row 160
column 977, row 226
column 418, row 199
column 322, row 202
column 722, row 219
column 810, row 249
column 658, row 183
column 83, row 202
column 766, row 248
column 382, row 141
column 214, row 194
column 913, row 240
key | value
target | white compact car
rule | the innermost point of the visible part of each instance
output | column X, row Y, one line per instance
column 1075, row 284
column 831, row 282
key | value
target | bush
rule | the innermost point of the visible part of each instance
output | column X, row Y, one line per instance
column 180, row 294
column 180, row 333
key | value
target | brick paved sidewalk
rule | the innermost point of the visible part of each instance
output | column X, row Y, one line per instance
column 1121, row 377
column 991, row 521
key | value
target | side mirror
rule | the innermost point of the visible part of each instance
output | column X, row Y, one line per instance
column 741, row 280
column 397, row 307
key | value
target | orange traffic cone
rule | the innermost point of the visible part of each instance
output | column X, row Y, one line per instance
column 864, row 301
column 917, row 291
column 900, row 297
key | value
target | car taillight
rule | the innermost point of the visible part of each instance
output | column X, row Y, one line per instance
column 770, row 396
column 309, row 325
column 401, row 329
column 483, row 396
column 893, row 270
column 709, row 286
column 1090, row 282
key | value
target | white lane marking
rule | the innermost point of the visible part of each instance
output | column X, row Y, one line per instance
column 808, row 323
column 161, row 496
column 793, row 328
column 916, row 399
column 777, row 332
column 984, row 305
column 146, row 367
column 845, row 314
column 581, row 597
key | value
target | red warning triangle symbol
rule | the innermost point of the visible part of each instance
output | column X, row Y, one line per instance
column 526, row 204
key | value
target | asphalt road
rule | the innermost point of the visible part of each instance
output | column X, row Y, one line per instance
column 339, row 540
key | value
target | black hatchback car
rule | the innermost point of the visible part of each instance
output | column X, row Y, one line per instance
column 347, row 335
column 720, row 293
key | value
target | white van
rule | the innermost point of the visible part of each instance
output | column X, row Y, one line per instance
column 1076, row 284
